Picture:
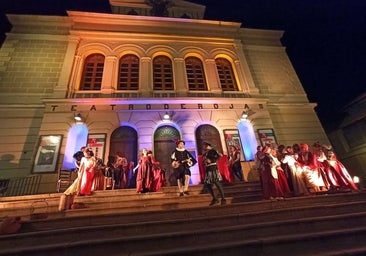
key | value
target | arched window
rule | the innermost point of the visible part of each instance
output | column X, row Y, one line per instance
column 92, row 72
column 132, row 12
column 185, row 16
column 226, row 75
column 163, row 73
column 195, row 74
column 128, row 77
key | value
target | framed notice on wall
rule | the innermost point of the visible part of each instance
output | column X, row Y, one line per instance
column 232, row 138
column 267, row 136
column 47, row 153
column 96, row 142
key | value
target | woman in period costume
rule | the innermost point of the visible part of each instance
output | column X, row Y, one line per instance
column 269, row 176
column 87, row 165
column 337, row 174
column 144, row 174
column 297, row 175
column 158, row 174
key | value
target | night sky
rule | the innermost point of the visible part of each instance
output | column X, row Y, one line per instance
column 325, row 39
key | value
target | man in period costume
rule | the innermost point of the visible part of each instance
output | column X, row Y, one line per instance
column 181, row 161
column 212, row 174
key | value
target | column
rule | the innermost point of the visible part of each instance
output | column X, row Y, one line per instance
column 61, row 88
column 110, row 75
column 213, row 81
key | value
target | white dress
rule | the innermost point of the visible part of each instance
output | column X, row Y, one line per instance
column 298, row 179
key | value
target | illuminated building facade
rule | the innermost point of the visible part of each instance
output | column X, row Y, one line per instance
column 143, row 76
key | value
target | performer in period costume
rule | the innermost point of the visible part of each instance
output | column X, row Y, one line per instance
column 158, row 174
column 337, row 173
column 181, row 161
column 212, row 174
column 77, row 157
column 297, row 175
column 144, row 174
column 271, row 186
column 87, row 165
column 235, row 165
column 315, row 181
column 83, row 184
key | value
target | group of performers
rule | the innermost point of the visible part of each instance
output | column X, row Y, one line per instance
column 283, row 171
column 296, row 171
column 93, row 175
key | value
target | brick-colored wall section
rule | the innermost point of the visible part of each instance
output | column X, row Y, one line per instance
column 30, row 69
column 272, row 72
column 31, row 59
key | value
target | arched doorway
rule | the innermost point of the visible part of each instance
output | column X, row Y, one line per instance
column 124, row 140
column 208, row 133
column 164, row 144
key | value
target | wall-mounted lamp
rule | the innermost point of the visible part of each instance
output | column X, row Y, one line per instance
column 78, row 118
column 246, row 113
column 166, row 116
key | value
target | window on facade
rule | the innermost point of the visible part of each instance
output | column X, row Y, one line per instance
column 226, row 75
column 195, row 74
column 132, row 12
column 128, row 78
column 92, row 72
column 355, row 133
column 163, row 73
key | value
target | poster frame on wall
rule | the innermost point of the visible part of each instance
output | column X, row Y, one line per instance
column 232, row 137
column 97, row 143
column 47, row 154
column 267, row 136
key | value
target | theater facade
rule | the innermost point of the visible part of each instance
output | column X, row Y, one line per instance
column 143, row 76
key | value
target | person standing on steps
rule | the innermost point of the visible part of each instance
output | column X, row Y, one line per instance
column 181, row 161
column 212, row 174
column 77, row 156
column 235, row 165
column 144, row 175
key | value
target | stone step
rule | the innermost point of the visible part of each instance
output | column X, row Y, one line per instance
column 122, row 222
column 90, row 240
column 125, row 200
column 323, row 204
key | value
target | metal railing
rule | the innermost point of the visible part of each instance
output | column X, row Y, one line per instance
column 23, row 186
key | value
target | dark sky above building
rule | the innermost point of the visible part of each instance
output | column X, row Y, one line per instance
column 325, row 39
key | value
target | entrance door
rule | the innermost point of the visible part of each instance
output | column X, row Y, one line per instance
column 124, row 140
column 164, row 144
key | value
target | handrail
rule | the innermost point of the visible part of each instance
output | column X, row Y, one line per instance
column 23, row 186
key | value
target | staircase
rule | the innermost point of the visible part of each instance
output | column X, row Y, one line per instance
column 121, row 222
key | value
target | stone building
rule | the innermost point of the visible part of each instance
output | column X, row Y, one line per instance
column 143, row 76
column 349, row 138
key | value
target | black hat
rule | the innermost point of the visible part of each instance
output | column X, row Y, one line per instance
column 205, row 143
column 179, row 141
